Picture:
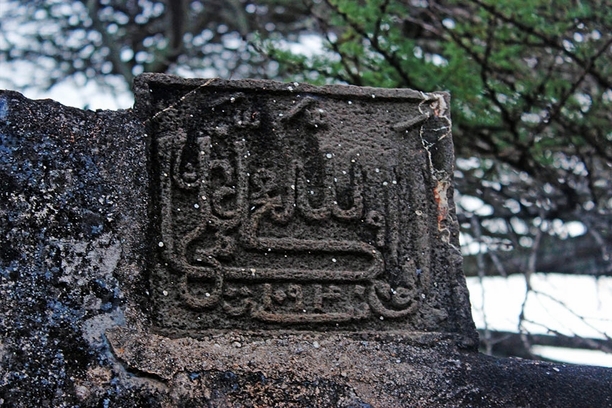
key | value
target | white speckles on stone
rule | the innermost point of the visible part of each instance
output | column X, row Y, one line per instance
column 334, row 260
column 385, row 183
column 196, row 206
column 381, row 318
column 350, row 102
column 165, row 293
column 329, row 155
column 316, row 345
column 160, row 244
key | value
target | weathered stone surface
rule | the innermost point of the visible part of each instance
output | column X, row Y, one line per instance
column 80, row 322
column 73, row 218
column 285, row 205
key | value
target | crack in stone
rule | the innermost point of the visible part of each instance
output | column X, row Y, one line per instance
column 187, row 95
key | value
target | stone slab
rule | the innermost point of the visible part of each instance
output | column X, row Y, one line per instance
column 286, row 205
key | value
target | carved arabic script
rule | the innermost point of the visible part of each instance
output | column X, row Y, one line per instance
column 287, row 236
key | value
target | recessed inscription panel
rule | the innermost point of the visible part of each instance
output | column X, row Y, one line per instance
column 289, row 206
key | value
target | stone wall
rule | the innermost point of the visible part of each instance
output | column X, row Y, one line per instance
column 142, row 255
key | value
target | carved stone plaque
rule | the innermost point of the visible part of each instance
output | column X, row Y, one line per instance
column 291, row 206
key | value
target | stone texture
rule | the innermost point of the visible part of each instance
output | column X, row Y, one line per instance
column 80, row 317
column 73, row 218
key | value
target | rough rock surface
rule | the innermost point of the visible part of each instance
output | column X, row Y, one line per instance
column 78, row 319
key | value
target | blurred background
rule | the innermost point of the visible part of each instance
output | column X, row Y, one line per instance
column 532, row 119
